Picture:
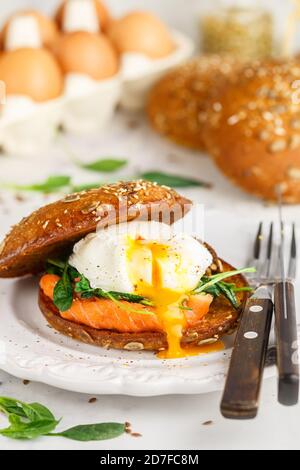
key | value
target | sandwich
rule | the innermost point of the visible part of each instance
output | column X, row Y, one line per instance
column 113, row 273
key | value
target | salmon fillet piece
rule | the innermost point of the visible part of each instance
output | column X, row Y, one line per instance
column 132, row 318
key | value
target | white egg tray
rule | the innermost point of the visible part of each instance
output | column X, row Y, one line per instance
column 88, row 112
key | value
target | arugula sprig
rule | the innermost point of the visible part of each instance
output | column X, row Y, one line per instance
column 32, row 420
column 216, row 286
column 72, row 281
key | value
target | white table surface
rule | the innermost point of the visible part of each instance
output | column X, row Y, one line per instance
column 168, row 422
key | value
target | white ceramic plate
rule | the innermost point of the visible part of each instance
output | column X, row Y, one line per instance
column 31, row 350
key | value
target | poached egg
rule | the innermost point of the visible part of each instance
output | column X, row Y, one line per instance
column 147, row 259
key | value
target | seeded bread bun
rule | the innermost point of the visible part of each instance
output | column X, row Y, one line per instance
column 253, row 129
column 177, row 103
column 52, row 230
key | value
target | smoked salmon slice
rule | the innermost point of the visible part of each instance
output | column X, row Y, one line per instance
column 132, row 318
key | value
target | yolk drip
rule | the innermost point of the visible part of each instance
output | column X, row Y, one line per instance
column 167, row 301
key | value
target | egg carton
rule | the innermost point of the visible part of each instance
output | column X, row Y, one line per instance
column 89, row 112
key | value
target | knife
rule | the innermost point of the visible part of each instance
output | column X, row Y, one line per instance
column 242, row 389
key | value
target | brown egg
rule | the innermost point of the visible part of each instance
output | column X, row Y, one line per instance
column 87, row 53
column 101, row 10
column 47, row 27
column 141, row 32
column 31, row 72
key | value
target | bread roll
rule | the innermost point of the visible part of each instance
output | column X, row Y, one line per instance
column 253, row 129
column 177, row 103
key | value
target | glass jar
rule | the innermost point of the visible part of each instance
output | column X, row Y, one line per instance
column 242, row 29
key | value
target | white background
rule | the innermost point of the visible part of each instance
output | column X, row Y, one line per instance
column 165, row 422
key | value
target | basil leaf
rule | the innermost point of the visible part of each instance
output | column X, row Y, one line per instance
column 10, row 405
column 31, row 430
column 105, row 165
column 36, row 412
column 93, row 432
column 63, row 292
column 51, row 184
column 32, row 420
column 173, row 180
column 31, row 411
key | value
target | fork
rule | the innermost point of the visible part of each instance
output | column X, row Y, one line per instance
column 241, row 394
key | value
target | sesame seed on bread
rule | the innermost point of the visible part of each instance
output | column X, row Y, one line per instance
column 177, row 103
column 53, row 229
column 254, row 136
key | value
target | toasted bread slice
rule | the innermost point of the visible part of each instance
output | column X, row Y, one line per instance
column 53, row 229
column 222, row 318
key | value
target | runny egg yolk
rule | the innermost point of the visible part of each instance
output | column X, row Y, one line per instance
column 145, row 262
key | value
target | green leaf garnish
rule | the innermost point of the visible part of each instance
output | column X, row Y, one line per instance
column 173, row 180
column 216, row 286
column 105, row 165
column 93, row 432
column 32, row 420
column 50, row 185
column 27, row 421
column 63, row 292
column 83, row 288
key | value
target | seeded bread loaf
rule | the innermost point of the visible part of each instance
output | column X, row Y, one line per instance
column 177, row 103
column 253, row 129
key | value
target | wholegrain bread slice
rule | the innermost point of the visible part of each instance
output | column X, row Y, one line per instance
column 54, row 228
column 221, row 318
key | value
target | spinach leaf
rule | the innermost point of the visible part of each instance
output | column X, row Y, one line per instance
column 93, row 432
column 63, row 292
column 82, row 285
column 83, row 288
column 173, row 181
column 105, row 165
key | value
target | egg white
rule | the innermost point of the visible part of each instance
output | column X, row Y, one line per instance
column 110, row 260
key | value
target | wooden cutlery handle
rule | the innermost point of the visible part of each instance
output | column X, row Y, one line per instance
column 287, row 347
column 241, row 394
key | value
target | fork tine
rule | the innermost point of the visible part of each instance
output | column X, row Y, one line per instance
column 258, row 240
column 293, row 255
column 269, row 251
column 255, row 260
